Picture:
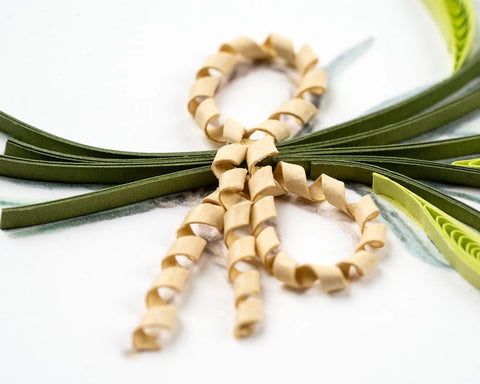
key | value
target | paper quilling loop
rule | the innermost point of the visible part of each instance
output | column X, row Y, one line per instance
column 275, row 48
column 244, row 200
column 292, row 178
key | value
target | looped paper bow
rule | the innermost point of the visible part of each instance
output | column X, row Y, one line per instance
column 243, row 204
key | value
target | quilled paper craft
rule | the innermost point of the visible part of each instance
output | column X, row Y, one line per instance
column 249, row 172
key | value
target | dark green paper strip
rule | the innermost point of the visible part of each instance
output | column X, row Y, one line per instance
column 107, row 198
column 31, row 135
column 432, row 150
column 406, row 129
column 413, row 168
column 89, row 173
column 20, row 149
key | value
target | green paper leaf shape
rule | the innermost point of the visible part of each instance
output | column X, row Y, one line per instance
column 459, row 244
column 456, row 20
column 472, row 163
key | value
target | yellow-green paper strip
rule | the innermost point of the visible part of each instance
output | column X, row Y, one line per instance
column 459, row 244
column 456, row 20
column 473, row 163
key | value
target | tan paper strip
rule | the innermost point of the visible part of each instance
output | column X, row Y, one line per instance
column 145, row 336
column 305, row 60
column 203, row 88
column 247, row 48
column 314, row 82
column 274, row 128
column 301, row 109
column 222, row 62
column 161, row 314
column 282, row 47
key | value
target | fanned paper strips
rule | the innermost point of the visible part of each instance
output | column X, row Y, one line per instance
column 243, row 204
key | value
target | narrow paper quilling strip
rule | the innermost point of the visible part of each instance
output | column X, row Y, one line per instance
column 241, row 250
column 472, row 163
column 232, row 196
column 161, row 313
column 203, row 88
column 202, row 105
column 292, row 178
column 248, row 48
column 459, row 244
column 314, row 82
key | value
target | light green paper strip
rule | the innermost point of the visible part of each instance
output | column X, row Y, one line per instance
column 458, row 243
column 456, row 20
column 472, row 163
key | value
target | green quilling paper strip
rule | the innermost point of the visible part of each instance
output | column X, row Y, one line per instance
column 20, row 149
column 406, row 129
column 87, row 173
column 107, row 198
column 413, row 168
column 457, row 242
column 432, row 150
column 456, row 19
column 473, row 163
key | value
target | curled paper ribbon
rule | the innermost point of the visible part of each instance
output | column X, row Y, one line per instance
column 292, row 178
column 244, row 200
column 161, row 314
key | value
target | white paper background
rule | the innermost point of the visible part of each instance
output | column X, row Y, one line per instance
column 116, row 74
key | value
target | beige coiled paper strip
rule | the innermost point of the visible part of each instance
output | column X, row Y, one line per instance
column 243, row 203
